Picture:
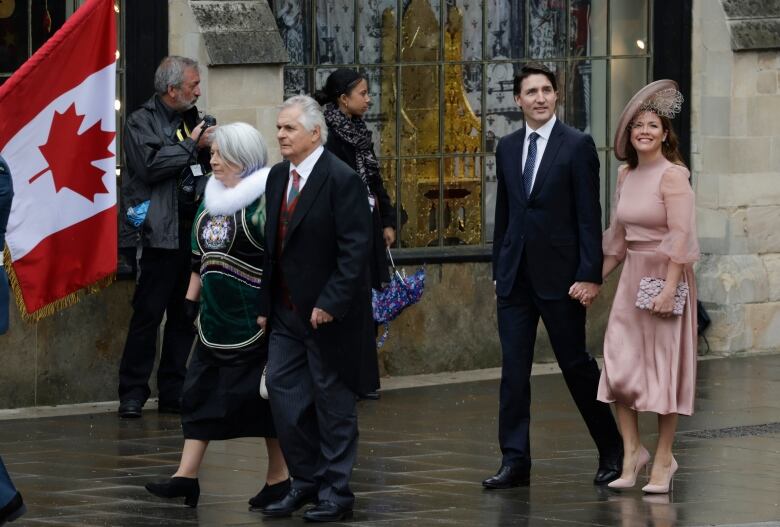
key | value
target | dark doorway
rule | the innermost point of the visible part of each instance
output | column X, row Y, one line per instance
column 672, row 21
column 146, row 43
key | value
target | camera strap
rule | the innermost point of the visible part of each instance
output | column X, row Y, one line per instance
column 181, row 136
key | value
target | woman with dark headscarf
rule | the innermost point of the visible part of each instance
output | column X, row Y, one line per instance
column 345, row 101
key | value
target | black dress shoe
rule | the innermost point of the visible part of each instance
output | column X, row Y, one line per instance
column 610, row 468
column 606, row 475
column 270, row 494
column 130, row 409
column 371, row 396
column 292, row 501
column 13, row 509
column 188, row 488
column 327, row 511
column 508, row 477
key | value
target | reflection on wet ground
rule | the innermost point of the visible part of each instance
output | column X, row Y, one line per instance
column 423, row 453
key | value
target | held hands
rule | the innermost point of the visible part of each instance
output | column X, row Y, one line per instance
column 319, row 316
column 584, row 292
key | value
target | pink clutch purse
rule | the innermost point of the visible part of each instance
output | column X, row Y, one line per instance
column 650, row 287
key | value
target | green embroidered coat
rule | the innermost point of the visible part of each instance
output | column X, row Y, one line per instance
column 227, row 252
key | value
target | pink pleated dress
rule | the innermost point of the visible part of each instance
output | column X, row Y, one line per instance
column 650, row 362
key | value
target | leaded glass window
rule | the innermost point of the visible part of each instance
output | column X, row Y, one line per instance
column 440, row 74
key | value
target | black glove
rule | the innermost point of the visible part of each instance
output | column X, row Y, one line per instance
column 191, row 309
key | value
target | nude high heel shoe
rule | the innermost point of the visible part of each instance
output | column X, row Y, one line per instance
column 628, row 482
column 663, row 489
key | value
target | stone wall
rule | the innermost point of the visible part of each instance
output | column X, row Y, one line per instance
column 73, row 356
column 736, row 167
column 237, row 83
column 753, row 24
column 454, row 326
column 70, row 357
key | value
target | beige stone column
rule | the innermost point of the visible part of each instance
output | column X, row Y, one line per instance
column 735, row 122
column 242, row 60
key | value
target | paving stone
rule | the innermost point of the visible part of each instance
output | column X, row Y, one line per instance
column 423, row 453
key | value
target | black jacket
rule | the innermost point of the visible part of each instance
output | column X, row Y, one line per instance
column 324, row 263
column 384, row 211
column 154, row 161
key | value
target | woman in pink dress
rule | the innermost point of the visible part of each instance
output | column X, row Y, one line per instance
column 650, row 353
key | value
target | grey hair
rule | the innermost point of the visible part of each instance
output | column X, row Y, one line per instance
column 170, row 72
column 311, row 114
column 242, row 145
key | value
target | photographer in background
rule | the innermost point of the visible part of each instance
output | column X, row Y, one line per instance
column 166, row 148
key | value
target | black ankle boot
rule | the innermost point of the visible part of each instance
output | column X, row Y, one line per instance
column 177, row 488
column 270, row 494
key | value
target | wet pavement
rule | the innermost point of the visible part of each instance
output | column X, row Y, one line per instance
column 423, row 453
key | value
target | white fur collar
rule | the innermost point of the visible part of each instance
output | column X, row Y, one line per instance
column 223, row 200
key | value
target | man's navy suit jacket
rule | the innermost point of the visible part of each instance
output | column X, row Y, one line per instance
column 556, row 231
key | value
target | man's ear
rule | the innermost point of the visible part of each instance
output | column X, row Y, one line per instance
column 316, row 134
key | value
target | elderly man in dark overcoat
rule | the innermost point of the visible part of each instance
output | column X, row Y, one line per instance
column 315, row 304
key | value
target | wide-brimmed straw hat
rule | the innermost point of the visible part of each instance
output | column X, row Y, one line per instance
column 662, row 97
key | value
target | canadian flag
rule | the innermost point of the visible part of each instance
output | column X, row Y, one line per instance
column 57, row 134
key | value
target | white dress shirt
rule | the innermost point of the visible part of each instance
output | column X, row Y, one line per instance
column 544, row 132
column 305, row 168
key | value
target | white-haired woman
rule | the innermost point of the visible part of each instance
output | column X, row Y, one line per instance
column 220, row 398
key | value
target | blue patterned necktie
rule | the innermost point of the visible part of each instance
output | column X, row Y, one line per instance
column 530, row 161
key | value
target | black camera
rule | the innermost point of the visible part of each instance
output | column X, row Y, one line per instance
column 208, row 120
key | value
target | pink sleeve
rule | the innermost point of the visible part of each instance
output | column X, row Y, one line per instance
column 613, row 242
column 680, row 244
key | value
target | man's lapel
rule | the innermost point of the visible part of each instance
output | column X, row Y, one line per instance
column 308, row 193
column 516, row 163
column 550, row 151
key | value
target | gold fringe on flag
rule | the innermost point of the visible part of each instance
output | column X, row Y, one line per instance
column 58, row 305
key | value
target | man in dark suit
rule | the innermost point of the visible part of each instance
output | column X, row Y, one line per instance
column 316, row 305
column 546, row 256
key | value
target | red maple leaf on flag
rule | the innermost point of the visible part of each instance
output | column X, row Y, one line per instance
column 70, row 154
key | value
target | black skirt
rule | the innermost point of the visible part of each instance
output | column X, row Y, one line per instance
column 221, row 399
